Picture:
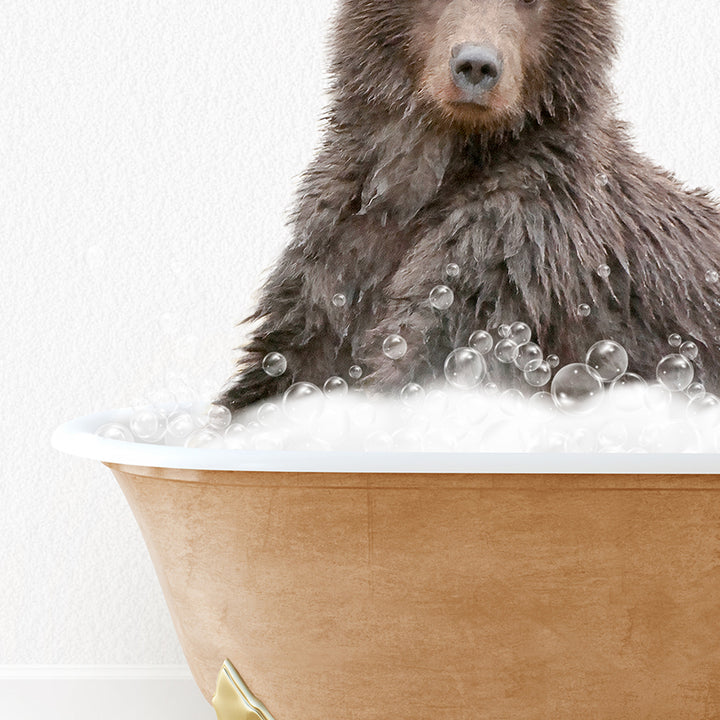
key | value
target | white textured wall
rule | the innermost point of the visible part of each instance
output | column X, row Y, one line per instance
column 148, row 153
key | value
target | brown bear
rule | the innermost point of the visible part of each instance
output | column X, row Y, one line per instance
column 480, row 133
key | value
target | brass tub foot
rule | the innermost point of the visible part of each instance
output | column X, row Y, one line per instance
column 233, row 699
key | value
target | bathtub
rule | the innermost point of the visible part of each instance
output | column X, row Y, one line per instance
column 308, row 586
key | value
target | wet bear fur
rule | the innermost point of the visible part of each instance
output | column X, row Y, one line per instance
column 528, row 195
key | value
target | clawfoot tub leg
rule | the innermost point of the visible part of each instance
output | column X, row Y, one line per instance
column 233, row 699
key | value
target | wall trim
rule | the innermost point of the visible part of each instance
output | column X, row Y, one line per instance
column 95, row 672
column 111, row 692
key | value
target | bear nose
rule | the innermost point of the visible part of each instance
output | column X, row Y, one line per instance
column 475, row 68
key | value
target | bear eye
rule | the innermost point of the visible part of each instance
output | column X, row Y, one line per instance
column 527, row 2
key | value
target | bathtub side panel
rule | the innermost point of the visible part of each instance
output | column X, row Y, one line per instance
column 419, row 601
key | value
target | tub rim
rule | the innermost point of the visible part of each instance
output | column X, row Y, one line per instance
column 77, row 437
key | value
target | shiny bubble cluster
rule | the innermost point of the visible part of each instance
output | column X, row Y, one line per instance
column 581, row 413
column 595, row 405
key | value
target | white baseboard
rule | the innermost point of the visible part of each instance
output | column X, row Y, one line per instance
column 101, row 692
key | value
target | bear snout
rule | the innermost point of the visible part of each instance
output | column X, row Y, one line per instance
column 475, row 69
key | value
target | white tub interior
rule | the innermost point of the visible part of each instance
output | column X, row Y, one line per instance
column 77, row 437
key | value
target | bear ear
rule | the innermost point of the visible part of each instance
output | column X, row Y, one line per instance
column 408, row 170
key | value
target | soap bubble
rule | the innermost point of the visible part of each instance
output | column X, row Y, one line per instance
column 512, row 402
column 504, row 331
column 608, row 358
column 603, row 271
column 668, row 437
column 339, row 300
column 363, row 414
column 538, row 376
column 407, row 440
column 506, row 351
column 274, row 364
column 114, row 431
column 529, row 357
column 581, row 440
column 482, row 341
column 268, row 414
column 689, row 349
column 303, row 402
column 553, row 360
column 436, row 402
column 452, row 270
column 542, row 403
column 333, row 422
column 355, row 372
column 147, row 424
column 311, row 444
column 441, row 297
column 712, row 277
column 695, row 389
column 236, row 436
column 412, row 394
column 675, row 340
column 628, row 391
column 584, row 310
column 394, row 347
column 576, row 388
column 675, row 372
column 520, row 333
column 205, row 438
column 657, row 397
column 613, row 435
column 335, row 387
column 179, row 426
column 705, row 406
column 267, row 442
column 465, row 368
column 379, row 441
column 439, row 439
column 218, row 417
